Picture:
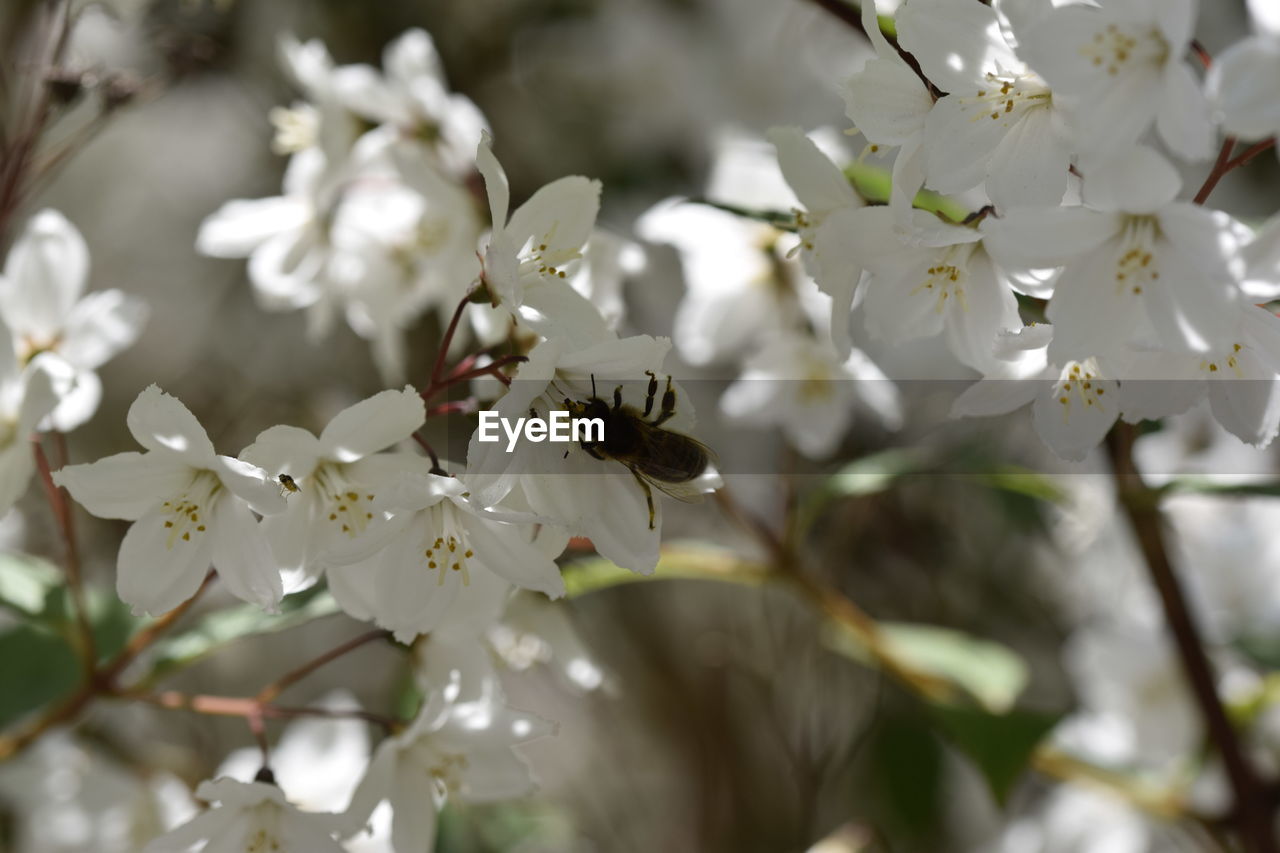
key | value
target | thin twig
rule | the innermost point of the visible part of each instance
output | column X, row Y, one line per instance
column 1220, row 167
column 1252, row 813
column 61, row 510
column 275, row 688
column 142, row 640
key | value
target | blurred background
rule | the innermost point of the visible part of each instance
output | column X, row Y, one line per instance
column 724, row 720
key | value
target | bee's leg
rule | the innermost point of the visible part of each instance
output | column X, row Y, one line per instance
column 648, row 496
column 668, row 404
column 617, row 398
column 653, row 393
column 593, row 387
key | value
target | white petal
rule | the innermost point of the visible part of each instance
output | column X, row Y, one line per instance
column 955, row 42
column 503, row 549
column 495, row 182
column 1183, row 117
column 887, row 101
column 1090, row 315
column 412, row 55
column 241, row 555
column 1029, row 168
column 373, row 424
column 1242, row 86
column 16, row 467
column 240, row 226
column 249, row 483
column 284, row 450
column 496, row 774
column 960, row 140
column 414, row 826
column 1040, row 239
column 1249, row 409
column 1073, row 429
column 560, row 214
column 161, row 423
column 1136, row 180
column 101, row 325
column 988, row 397
column 78, row 401
column 205, row 825
column 816, row 181
column 125, row 485
column 157, row 570
column 44, row 275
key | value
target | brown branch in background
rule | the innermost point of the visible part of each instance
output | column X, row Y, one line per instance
column 1249, row 153
column 275, row 688
column 1201, row 54
column 249, row 707
column 1220, row 167
column 61, row 509
column 1252, row 809
column 142, row 640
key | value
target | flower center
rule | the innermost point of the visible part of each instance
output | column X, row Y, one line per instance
column 263, row 831
column 450, row 550
column 1118, row 48
column 542, row 261
column 1078, row 385
column 185, row 515
column 946, row 277
column 1135, row 266
column 1215, row 367
column 1011, row 95
column 447, row 771
column 344, row 505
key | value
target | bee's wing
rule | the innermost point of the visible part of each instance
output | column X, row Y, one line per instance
column 690, row 492
column 668, row 475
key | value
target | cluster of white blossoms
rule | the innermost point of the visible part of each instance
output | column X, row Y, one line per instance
column 53, row 338
column 1049, row 120
column 381, row 226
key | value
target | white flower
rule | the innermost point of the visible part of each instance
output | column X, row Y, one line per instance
column 1138, row 265
column 319, row 761
column 543, row 239
column 797, row 383
column 189, row 506
column 944, row 281
column 999, row 124
column 26, row 397
column 1077, row 819
column 250, row 816
column 1074, row 404
column 40, row 299
column 406, row 573
column 68, row 796
column 1239, row 375
column 826, row 194
column 337, row 476
column 411, row 96
column 888, row 103
column 599, row 498
column 734, row 275
column 1131, row 673
column 1242, row 87
column 285, row 238
column 1122, row 65
column 606, row 264
column 459, row 749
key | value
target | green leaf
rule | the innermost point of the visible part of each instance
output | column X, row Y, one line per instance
column 1001, row 745
column 224, row 626
column 1206, row 486
column 1022, row 481
column 906, row 759
column 36, row 667
column 686, row 561
column 25, row 583
column 992, row 674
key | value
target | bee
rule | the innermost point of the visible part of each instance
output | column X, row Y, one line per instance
column 288, row 486
column 656, row 457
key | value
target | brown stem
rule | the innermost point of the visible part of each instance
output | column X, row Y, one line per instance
column 1252, row 814
column 1249, row 153
column 437, row 370
column 1220, row 167
column 249, row 707
column 61, row 509
column 142, row 640
column 275, row 688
